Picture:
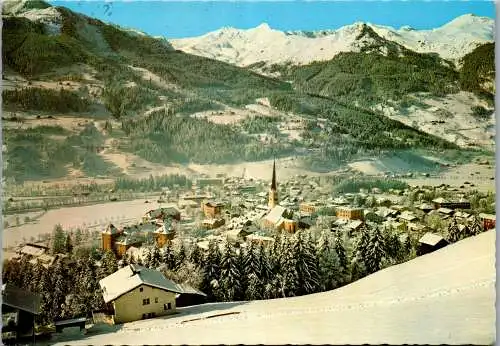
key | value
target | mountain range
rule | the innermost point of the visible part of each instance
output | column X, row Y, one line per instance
column 237, row 96
column 452, row 41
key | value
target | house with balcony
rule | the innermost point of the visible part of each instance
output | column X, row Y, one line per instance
column 135, row 292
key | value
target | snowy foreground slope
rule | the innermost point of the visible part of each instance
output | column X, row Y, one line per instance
column 245, row 47
column 447, row 297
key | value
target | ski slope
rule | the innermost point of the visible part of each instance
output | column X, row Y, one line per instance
column 447, row 297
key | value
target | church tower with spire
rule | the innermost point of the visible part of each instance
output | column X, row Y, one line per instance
column 273, row 191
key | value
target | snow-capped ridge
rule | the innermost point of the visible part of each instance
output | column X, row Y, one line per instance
column 242, row 47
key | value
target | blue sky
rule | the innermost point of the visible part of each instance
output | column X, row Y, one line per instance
column 174, row 19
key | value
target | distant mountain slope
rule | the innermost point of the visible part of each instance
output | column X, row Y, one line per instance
column 170, row 107
column 446, row 297
column 262, row 44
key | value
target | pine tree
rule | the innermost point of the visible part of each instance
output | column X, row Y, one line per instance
column 211, row 271
column 454, row 233
column 58, row 240
column 240, row 265
column 25, row 273
column 307, row 264
column 251, row 261
column 180, row 256
column 38, row 273
column 288, row 278
column 155, row 257
column 168, row 257
column 376, row 251
column 358, row 266
column 68, row 246
column 109, row 264
column 147, row 259
column 342, row 257
column 329, row 266
column 126, row 259
column 251, row 273
column 476, row 227
column 393, row 247
column 78, row 236
column 59, row 290
column 267, row 275
column 230, row 280
column 195, row 256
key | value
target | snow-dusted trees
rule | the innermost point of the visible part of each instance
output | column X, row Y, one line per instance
column 109, row 264
column 156, row 257
column 328, row 263
column 231, row 287
column 376, row 251
column 454, row 232
column 168, row 257
column 211, row 271
column 287, row 284
column 180, row 255
column 358, row 264
column 306, row 263
column 58, row 240
column 252, row 272
column 196, row 256
column 340, row 250
column 475, row 227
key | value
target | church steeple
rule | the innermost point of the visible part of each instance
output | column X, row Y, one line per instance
column 273, row 181
column 273, row 191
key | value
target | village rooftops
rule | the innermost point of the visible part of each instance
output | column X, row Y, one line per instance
column 214, row 204
column 111, row 229
column 440, row 200
column 425, row 206
column 167, row 228
column 276, row 214
column 488, row 216
column 20, row 299
column 128, row 240
column 407, row 216
column 131, row 277
column 431, row 239
column 445, row 211
column 33, row 250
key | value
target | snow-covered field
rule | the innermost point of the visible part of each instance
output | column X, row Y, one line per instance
column 96, row 216
column 245, row 47
column 447, row 297
column 459, row 125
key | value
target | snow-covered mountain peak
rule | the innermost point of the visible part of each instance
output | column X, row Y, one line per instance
column 263, row 44
column 467, row 20
column 262, row 27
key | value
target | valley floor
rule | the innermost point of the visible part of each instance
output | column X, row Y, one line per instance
column 447, row 297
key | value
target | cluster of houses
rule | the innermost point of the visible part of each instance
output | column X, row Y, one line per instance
column 135, row 292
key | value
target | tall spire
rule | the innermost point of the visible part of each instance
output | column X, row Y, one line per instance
column 273, row 182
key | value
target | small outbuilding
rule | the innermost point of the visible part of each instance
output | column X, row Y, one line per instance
column 430, row 242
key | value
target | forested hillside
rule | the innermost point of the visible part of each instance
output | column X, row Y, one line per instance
column 146, row 93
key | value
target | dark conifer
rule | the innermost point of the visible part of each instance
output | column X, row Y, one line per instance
column 376, row 251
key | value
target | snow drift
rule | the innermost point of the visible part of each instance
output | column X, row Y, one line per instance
column 447, row 297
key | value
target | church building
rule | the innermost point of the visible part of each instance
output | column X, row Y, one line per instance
column 278, row 218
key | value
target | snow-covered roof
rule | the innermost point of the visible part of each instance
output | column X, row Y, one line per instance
column 488, row 216
column 275, row 214
column 446, row 211
column 131, row 277
column 431, row 239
